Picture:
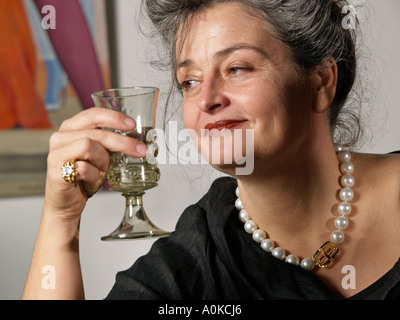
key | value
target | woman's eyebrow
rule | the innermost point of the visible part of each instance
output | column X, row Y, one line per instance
column 225, row 52
column 239, row 46
column 185, row 64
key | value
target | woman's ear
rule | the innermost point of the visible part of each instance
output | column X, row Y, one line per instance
column 325, row 86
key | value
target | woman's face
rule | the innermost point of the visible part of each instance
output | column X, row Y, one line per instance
column 235, row 75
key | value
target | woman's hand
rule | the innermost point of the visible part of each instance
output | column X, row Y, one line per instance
column 79, row 139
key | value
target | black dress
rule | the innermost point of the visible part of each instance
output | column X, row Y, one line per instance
column 210, row 256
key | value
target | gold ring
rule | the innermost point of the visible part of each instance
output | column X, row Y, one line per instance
column 69, row 172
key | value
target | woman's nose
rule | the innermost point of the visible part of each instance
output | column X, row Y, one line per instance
column 212, row 96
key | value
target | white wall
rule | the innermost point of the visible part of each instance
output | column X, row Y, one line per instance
column 380, row 70
column 19, row 217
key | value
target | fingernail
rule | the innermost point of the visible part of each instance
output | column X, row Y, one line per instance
column 141, row 149
column 130, row 122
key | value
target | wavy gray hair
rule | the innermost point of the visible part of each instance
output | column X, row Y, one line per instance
column 312, row 29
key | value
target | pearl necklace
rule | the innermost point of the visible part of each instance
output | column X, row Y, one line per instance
column 325, row 255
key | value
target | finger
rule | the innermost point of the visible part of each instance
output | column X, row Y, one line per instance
column 71, row 197
column 99, row 118
column 109, row 140
column 91, row 173
column 88, row 172
column 83, row 149
column 90, row 178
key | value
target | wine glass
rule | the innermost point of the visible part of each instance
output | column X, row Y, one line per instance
column 128, row 175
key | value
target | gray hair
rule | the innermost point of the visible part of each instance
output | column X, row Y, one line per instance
column 312, row 29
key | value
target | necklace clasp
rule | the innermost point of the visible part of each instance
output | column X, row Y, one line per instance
column 325, row 254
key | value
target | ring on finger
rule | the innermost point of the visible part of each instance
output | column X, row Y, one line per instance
column 69, row 172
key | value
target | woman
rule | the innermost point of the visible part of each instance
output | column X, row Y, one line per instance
column 283, row 70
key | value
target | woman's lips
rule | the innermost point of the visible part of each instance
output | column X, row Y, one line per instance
column 223, row 124
column 221, row 128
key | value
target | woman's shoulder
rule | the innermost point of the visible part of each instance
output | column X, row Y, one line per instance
column 383, row 166
column 211, row 208
column 374, row 164
column 379, row 177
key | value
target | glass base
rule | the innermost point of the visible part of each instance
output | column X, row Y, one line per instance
column 135, row 224
column 124, row 234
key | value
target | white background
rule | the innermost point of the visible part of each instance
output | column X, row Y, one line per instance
column 183, row 185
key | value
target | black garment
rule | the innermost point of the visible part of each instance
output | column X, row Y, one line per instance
column 210, row 256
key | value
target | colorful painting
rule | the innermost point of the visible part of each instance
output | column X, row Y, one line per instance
column 53, row 55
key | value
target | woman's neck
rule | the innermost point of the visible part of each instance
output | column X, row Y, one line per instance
column 294, row 202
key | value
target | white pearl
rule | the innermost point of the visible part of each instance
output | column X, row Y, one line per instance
column 338, row 148
column 278, row 253
column 307, row 264
column 239, row 204
column 250, row 226
column 237, row 192
column 346, row 167
column 344, row 208
column 292, row 259
column 344, row 156
column 267, row 245
column 243, row 216
column 337, row 236
column 259, row 235
column 346, row 194
column 347, row 180
column 341, row 223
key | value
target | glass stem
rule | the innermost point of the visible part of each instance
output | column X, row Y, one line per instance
column 135, row 215
column 134, row 210
column 135, row 223
column 134, row 198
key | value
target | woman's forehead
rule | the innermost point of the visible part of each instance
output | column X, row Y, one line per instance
column 224, row 26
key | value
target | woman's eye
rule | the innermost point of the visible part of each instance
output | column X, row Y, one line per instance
column 187, row 84
column 238, row 70
column 235, row 70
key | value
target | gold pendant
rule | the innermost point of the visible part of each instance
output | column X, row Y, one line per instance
column 325, row 255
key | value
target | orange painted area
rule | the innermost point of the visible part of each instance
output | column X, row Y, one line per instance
column 20, row 101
